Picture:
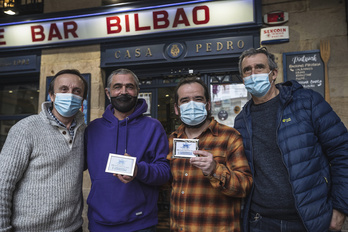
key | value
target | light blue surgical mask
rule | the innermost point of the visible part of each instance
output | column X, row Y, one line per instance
column 193, row 113
column 257, row 84
column 67, row 104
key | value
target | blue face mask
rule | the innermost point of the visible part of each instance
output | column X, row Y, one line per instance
column 67, row 104
column 193, row 113
column 257, row 84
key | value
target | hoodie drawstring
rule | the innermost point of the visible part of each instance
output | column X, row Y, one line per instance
column 117, row 136
column 117, row 133
column 125, row 150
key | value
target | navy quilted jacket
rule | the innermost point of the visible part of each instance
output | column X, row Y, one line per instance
column 314, row 146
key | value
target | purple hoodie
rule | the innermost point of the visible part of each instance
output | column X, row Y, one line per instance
column 113, row 205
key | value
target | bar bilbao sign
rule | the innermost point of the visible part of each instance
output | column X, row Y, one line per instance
column 120, row 24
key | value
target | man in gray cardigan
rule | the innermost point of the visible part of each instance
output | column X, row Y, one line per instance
column 42, row 162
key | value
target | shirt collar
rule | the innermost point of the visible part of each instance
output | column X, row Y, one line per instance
column 73, row 124
column 212, row 128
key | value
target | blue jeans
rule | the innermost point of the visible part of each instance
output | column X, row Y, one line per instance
column 258, row 223
column 149, row 229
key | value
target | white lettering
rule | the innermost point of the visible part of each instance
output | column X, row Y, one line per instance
column 304, row 58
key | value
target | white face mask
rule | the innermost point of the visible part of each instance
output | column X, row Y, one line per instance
column 193, row 113
column 67, row 104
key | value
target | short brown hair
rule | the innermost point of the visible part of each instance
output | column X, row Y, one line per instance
column 190, row 80
column 69, row 71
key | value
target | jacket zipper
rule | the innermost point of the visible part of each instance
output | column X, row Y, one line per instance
column 287, row 170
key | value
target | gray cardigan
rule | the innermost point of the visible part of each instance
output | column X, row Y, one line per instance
column 41, row 170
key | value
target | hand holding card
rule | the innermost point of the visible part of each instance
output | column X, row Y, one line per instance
column 121, row 164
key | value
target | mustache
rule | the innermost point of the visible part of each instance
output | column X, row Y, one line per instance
column 124, row 98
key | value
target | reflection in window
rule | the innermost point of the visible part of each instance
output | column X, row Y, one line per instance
column 146, row 82
column 227, row 101
column 147, row 96
column 16, row 102
column 17, row 99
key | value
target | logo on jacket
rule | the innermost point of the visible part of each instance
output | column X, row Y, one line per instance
column 286, row 120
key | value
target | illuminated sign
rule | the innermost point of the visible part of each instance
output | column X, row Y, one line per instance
column 166, row 18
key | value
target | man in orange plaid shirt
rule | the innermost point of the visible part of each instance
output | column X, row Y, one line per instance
column 207, row 190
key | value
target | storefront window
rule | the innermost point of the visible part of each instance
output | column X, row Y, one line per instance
column 146, row 82
column 147, row 96
column 227, row 101
column 165, row 108
column 17, row 101
column 171, row 80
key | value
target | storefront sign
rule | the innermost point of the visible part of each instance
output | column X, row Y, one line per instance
column 159, row 19
column 132, row 54
column 218, row 46
column 18, row 63
column 176, row 51
column 271, row 35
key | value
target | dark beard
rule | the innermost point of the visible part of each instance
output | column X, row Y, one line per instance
column 124, row 103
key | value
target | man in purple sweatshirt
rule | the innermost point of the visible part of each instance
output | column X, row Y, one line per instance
column 124, row 202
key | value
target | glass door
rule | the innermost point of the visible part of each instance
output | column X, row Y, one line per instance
column 161, row 106
column 160, row 103
column 165, row 109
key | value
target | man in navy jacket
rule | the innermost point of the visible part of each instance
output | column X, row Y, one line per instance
column 297, row 149
column 125, row 202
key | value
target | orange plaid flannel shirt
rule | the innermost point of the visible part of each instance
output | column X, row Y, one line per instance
column 211, row 203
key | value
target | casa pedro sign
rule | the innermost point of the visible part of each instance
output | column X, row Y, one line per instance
column 123, row 23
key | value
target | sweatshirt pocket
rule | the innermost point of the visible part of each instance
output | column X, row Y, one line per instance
column 112, row 202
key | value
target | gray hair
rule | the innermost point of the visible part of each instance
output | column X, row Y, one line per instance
column 252, row 51
column 122, row 71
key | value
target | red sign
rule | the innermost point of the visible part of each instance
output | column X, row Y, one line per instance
column 276, row 17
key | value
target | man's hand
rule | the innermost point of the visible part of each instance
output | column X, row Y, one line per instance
column 124, row 178
column 337, row 220
column 205, row 162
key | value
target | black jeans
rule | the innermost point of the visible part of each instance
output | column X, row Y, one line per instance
column 258, row 223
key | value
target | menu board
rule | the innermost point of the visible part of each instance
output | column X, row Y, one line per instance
column 307, row 68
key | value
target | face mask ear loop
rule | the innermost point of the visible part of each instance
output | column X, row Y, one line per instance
column 273, row 81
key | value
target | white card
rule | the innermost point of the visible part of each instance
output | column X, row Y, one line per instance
column 121, row 164
column 183, row 148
